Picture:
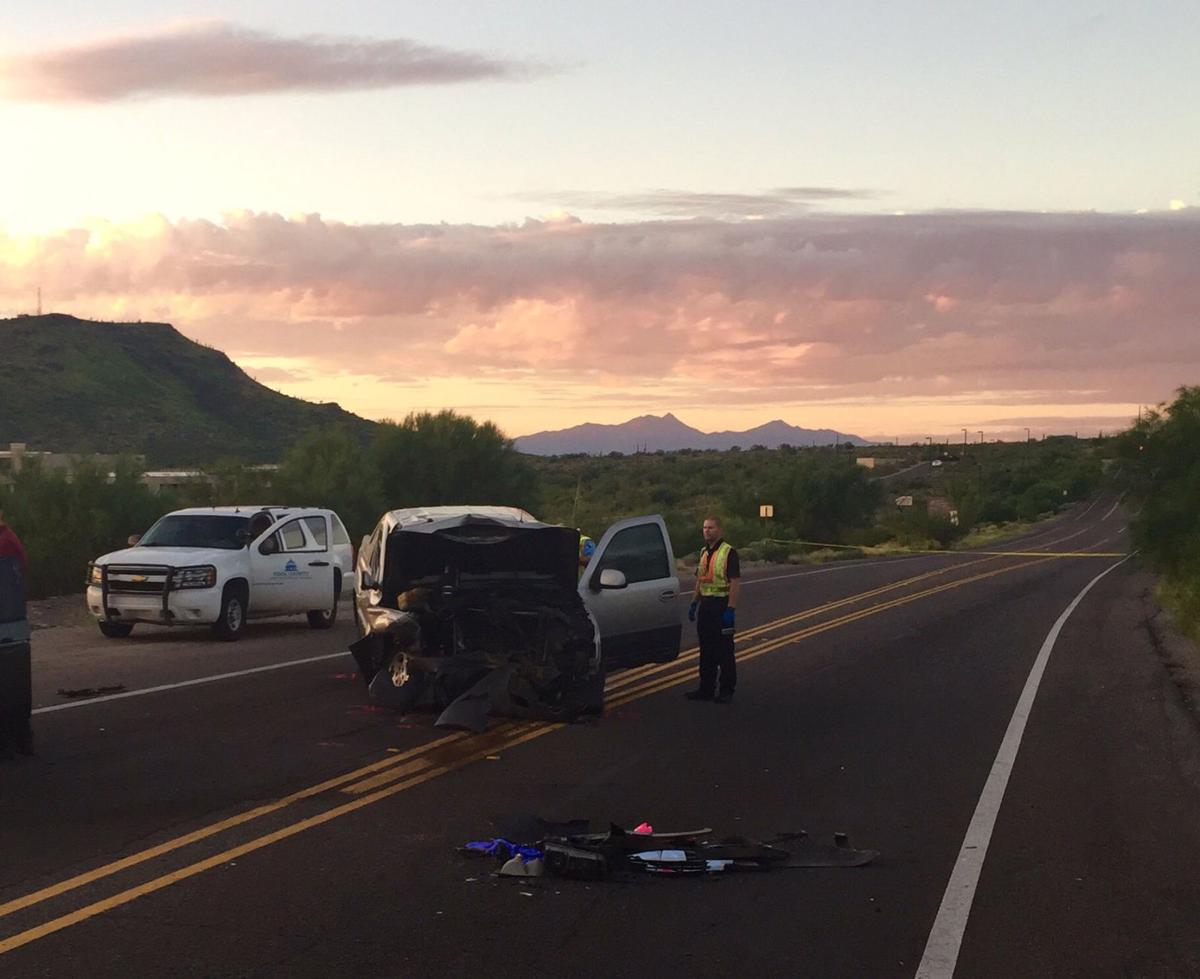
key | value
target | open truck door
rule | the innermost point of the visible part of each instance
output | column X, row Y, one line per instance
column 631, row 589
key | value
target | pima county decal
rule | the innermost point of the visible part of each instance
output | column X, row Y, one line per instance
column 291, row 570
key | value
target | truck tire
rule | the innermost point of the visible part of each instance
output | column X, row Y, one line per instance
column 115, row 630
column 325, row 619
column 232, row 620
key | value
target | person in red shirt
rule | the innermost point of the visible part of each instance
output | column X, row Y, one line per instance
column 11, row 546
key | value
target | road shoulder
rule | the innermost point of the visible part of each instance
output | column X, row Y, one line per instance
column 1179, row 655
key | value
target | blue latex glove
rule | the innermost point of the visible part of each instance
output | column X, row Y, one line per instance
column 692, row 611
column 727, row 619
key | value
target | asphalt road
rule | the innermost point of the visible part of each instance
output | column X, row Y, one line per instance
column 1032, row 792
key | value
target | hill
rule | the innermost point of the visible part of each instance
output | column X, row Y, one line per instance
column 72, row 385
column 652, row 433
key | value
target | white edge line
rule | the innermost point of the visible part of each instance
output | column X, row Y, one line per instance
column 1114, row 508
column 188, row 683
column 945, row 937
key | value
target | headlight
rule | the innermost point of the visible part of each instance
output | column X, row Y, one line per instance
column 204, row 576
column 95, row 575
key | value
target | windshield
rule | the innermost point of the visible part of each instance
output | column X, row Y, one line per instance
column 197, row 530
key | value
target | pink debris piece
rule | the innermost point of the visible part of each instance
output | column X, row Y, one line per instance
column 645, row 829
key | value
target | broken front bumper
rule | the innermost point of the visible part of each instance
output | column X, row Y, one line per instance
column 492, row 656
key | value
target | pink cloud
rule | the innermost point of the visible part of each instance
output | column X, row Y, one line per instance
column 219, row 59
column 1045, row 308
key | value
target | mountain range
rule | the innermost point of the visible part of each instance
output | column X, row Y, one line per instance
column 653, row 433
column 74, row 385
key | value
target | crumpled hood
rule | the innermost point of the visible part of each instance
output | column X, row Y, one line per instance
column 474, row 545
column 176, row 557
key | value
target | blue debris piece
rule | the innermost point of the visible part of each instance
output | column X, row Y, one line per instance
column 505, row 848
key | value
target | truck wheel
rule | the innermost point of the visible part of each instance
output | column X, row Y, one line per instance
column 115, row 630
column 232, row 620
column 326, row 619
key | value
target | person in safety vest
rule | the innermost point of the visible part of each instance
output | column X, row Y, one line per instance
column 587, row 547
column 713, row 610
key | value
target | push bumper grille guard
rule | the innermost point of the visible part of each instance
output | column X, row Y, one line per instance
column 165, row 569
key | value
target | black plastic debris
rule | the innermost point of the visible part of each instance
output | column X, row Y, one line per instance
column 91, row 691
column 574, row 862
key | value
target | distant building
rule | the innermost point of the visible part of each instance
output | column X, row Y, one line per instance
column 19, row 455
column 867, row 462
column 173, row 479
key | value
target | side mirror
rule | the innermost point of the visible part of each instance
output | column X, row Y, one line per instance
column 242, row 537
column 134, row 539
column 269, row 546
column 367, row 581
column 612, row 578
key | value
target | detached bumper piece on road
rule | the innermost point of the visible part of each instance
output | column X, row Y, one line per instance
column 476, row 655
column 570, row 851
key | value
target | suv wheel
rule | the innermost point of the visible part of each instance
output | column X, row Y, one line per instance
column 232, row 620
column 324, row 619
column 115, row 630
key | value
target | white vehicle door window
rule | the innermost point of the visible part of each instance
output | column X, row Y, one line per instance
column 316, row 529
column 640, row 622
column 292, row 537
column 340, row 536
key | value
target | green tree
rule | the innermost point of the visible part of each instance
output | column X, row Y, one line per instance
column 822, row 499
column 329, row 467
column 66, row 520
column 448, row 458
column 1160, row 466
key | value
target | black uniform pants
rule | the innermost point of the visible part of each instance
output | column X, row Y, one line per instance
column 716, row 650
column 16, row 700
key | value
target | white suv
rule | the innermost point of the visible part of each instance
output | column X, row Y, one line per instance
column 222, row 565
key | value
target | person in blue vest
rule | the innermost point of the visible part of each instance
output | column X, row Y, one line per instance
column 718, row 579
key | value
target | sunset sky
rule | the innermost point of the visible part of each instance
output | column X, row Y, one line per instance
column 895, row 219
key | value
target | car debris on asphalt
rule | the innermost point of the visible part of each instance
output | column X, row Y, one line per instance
column 580, row 850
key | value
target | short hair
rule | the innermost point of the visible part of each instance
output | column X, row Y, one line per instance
column 716, row 520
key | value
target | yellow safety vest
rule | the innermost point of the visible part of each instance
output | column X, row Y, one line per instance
column 713, row 576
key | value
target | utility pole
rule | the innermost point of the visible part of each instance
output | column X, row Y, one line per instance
column 981, row 438
column 39, row 300
column 1027, row 436
column 964, row 431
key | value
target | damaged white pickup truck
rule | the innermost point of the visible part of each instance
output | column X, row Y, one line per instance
column 482, row 610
